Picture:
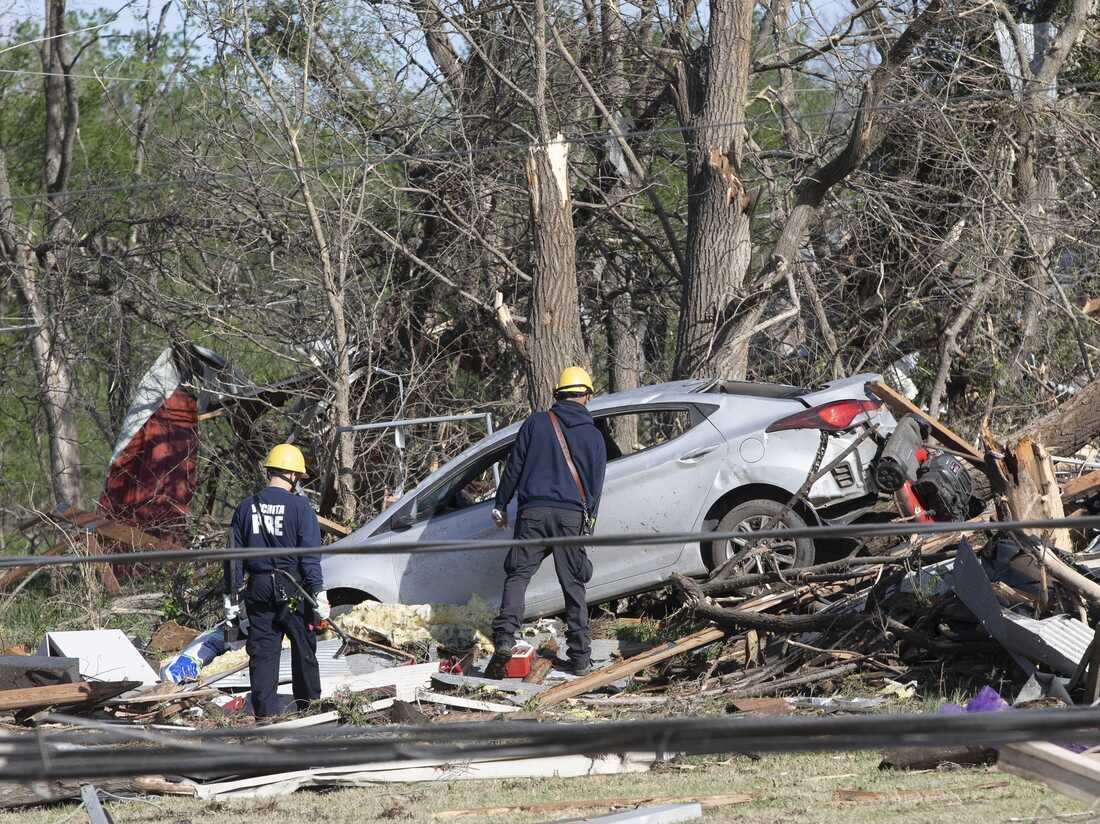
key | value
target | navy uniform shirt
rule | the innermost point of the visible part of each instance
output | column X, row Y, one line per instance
column 287, row 521
column 536, row 471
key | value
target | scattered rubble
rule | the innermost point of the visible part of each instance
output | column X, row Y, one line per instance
column 855, row 634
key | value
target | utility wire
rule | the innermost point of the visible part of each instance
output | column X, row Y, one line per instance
column 41, row 755
column 588, row 138
column 163, row 556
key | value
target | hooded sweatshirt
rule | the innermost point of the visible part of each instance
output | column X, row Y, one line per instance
column 537, row 472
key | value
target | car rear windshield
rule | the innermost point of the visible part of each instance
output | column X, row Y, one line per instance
column 760, row 390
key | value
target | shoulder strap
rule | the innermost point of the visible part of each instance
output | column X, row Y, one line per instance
column 568, row 457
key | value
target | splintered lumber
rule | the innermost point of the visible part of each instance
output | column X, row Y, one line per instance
column 900, row 404
column 463, row 703
column 539, row 670
column 84, row 692
column 1070, row 773
column 47, row 790
column 1079, row 487
column 16, row 574
column 595, row 804
column 1033, row 492
column 332, row 527
column 1069, row 426
column 164, row 698
column 623, row 669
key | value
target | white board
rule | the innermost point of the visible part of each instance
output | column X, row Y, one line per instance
column 105, row 655
column 562, row 766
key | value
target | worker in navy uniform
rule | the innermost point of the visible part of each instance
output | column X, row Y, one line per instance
column 552, row 503
column 277, row 517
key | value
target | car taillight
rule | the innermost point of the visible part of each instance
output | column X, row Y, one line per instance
column 832, row 417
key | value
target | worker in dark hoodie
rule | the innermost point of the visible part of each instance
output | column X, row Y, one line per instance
column 556, row 468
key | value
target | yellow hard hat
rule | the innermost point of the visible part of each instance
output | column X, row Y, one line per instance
column 288, row 457
column 574, row 378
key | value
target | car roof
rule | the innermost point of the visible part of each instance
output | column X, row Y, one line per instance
column 648, row 394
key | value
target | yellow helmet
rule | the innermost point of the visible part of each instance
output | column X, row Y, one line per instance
column 574, row 378
column 287, row 457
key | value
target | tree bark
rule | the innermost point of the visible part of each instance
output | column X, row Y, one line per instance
column 715, row 339
column 49, row 343
column 554, row 340
column 1068, row 427
column 718, row 242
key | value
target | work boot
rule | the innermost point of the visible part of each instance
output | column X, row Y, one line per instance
column 497, row 664
column 580, row 667
column 572, row 667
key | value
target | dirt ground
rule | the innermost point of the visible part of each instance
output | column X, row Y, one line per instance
column 785, row 789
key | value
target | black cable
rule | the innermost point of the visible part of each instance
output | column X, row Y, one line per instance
column 521, row 146
column 47, row 755
column 162, row 556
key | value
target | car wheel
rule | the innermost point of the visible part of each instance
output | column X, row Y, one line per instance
column 753, row 516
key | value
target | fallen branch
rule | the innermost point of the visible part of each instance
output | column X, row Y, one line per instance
column 800, row 680
column 695, row 598
column 811, row 574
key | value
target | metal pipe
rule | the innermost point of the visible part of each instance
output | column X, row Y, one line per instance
column 406, row 422
column 484, row 417
column 1075, row 462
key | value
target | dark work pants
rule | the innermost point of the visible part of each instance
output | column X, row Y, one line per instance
column 573, row 568
column 268, row 621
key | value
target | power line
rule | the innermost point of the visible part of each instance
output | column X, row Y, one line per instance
column 40, row 755
column 163, row 556
column 47, row 38
column 512, row 146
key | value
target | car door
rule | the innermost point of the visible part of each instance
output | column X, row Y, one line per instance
column 439, row 577
column 661, row 487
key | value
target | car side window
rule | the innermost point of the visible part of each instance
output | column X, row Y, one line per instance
column 473, row 484
column 629, row 433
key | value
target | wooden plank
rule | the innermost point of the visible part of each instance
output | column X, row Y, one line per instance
column 1033, row 493
column 453, row 679
column 1079, row 487
column 623, row 669
column 463, row 703
column 1072, row 774
column 595, row 804
column 48, row 790
column 332, row 527
column 84, row 692
column 900, row 403
column 539, row 671
column 16, row 574
column 163, row 698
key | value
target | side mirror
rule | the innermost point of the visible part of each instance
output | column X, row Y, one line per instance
column 404, row 518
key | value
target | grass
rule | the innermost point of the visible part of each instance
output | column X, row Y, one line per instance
column 785, row 789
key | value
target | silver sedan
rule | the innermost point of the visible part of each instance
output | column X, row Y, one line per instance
column 688, row 456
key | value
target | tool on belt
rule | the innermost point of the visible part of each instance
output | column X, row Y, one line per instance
column 349, row 643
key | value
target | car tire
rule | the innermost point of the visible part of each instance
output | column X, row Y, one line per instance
column 752, row 516
column 345, row 600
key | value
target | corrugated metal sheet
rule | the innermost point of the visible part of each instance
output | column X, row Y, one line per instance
column 330, row 667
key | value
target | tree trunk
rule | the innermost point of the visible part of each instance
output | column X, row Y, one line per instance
column 554, row 340
column 624, row 339
column 718, row 242
column 1068, row 427
column 56, row 392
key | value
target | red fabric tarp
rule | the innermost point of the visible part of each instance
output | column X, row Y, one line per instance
column 152, row 476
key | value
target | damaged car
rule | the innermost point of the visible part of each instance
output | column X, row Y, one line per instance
column 687, row 456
